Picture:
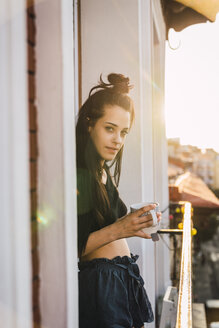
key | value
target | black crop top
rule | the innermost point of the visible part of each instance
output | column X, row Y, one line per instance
column 86, row 220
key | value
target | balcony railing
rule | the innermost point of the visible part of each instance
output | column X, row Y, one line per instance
column 184, row 308
column 177, row 312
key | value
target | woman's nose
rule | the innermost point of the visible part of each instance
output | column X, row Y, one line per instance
column 117, row 138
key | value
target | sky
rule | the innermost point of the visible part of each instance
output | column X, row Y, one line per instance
column 192, row 86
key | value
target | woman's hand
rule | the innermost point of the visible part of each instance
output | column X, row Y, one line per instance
column 133, row 224
column 128, row 226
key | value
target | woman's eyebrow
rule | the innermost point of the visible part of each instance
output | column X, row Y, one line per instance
column 115, row 125
column 111, row 123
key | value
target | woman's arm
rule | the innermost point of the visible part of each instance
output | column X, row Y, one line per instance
column 128, row 226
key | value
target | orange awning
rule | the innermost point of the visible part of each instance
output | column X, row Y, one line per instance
column 179, row 14
column 189, row 187
column 207, row 8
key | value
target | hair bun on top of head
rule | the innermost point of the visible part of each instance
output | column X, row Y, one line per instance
column 117, row 83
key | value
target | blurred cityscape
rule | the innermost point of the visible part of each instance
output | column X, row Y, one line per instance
column 204, row 163
column 194, row 176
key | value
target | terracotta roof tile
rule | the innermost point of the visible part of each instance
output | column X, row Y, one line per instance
column 192, row 188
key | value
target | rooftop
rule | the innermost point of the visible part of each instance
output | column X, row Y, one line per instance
column 191, row 188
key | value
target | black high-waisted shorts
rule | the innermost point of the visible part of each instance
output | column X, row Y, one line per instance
column 111, row 294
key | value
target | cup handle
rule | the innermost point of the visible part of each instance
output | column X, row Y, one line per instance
column 154, row 216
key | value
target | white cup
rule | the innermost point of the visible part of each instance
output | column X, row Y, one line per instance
column 152, row 229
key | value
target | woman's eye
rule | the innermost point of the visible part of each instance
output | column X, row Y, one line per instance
column 124, row 133
column 109, row 128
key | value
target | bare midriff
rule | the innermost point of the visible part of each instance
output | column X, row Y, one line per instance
column 109, row 251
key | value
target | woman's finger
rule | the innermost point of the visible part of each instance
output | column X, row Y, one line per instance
column 145, row 219
column 144, row 209
column 144, row 225
column 142, row 234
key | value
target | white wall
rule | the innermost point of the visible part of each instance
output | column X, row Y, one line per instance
column 110, row 44
column 15, row 255
column 117, row 36
column 56, row 164
column 160, row 157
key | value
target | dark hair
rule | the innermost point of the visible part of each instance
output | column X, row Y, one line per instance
column 112, row 93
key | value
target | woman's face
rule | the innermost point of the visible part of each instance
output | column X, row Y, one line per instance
column 109, row 132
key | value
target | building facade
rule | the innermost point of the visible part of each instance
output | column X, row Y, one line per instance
column 202, row 162
column 51, row 53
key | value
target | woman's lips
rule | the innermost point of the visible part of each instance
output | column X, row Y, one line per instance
column 112, row 150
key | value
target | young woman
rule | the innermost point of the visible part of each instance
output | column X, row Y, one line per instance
column 111, row 292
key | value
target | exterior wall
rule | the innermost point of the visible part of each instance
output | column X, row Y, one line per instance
column 109, row 43
column 128, row 48
column 56, row 169
column 15, row 257
column 160, row 151
column 50, row 166
column 119, row 37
